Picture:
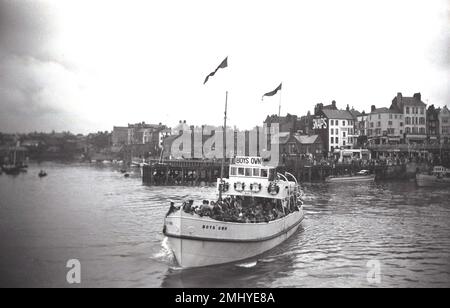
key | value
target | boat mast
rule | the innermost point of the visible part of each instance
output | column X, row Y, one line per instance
column 224, row 145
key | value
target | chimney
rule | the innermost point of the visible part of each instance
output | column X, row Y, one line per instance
column 372, row 108
column 399, row 97
column 418, row 96
column 348, row 107
column 333, row 103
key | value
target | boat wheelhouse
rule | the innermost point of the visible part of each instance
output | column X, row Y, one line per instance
column 257, row 209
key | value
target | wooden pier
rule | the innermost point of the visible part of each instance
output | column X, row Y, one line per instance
column 206, row 173
column 183, row 172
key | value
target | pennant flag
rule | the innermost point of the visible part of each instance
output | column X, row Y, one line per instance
column 272, row 93
column 222, row 65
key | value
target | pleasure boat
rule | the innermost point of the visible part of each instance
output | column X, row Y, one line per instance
column 257, row 209
column 361, row 176
column 439, row 177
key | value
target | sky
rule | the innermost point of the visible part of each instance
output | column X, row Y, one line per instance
column 85, row 66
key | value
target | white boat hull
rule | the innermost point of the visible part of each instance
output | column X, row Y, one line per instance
column 194, row 246
column 365, row 178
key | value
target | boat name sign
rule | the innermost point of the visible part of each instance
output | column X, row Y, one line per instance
column 248, row 161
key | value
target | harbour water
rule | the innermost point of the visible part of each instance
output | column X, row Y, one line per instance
column 113, row 226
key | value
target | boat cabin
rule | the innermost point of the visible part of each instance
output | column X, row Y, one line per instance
column 250, row 177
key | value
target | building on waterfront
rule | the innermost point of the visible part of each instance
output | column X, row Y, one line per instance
column 304, row 126
column 335, row 127
column 121, row 135
column 433, row 124
column 287, row 124
column 361, row 129
column 139, row 133
column 414, row 114
column 444, row 125
column 385, row 126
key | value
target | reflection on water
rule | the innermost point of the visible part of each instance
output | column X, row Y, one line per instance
column 113, row 226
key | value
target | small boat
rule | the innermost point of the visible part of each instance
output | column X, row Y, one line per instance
column 257, row 209
column 361, row 176
column 439, row 177
column 127, row 175
column 11, row 169
column 42, row 174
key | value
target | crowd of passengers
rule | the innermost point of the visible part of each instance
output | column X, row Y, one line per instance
column 236, row 209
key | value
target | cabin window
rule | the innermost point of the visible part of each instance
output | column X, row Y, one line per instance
column 272, row 175
column 264, row 173
column 256, row 172
column 241, row 171
column 248, row 171
column 233, row 171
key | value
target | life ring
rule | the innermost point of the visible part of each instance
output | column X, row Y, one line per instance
column 273, row 189
column 239, row 186
column 255, row 187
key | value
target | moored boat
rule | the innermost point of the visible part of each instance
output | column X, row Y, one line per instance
column 361, row 176
column 439, row 177
column 11, row 169
column 257, row 209
column 42, row 174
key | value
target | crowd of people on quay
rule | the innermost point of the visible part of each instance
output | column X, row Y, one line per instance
column 239, row 209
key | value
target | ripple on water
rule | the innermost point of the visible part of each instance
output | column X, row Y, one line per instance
column 114, row 226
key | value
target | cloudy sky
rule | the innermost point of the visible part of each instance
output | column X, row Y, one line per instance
column 88, row 65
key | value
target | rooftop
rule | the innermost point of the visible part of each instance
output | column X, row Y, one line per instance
column 305, row 139
column 338, row 114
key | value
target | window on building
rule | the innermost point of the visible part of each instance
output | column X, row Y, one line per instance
column 378, row 124
column 401, row 124
column 415, row 130
column 371, row 124
column 332, row 140
column 343, row 123
column 408, row 121
column 422, row 130
column 422, row 121
column 396, row 116
column 241, row 171
column 337, row 131
column 332, row 122
column 379, row 116
column 407, row 110
column 408, row 130
column 390, row 123
column 422, row 111
column 369, row 132
column 337, row 139
column 332, row 131
column 401, row 132
column 343, row 143
column 343, row 134
column 390, row 116
column 248, row 171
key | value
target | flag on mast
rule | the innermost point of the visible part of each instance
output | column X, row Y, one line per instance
column 272, row 93
column 222, row 65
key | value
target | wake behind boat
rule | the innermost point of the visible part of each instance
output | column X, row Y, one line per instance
column 361, row 176
column 257, row 210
